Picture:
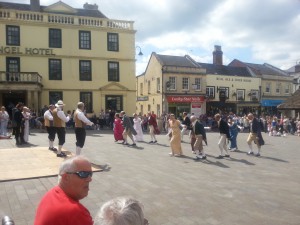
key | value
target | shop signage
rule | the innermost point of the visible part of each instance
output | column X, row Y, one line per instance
column 233, row 79
column 185, row 98
column 142, row 98
column 26, row 51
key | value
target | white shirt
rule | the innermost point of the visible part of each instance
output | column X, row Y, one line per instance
column 82, row 117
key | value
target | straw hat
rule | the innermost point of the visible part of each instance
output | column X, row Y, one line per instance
column 59, row 103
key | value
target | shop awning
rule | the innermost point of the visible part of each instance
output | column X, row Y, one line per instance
column 270, row 102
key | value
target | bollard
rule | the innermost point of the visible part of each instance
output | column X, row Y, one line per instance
column 6, row 220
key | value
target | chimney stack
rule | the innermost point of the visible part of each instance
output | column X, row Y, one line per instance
column 35, row 5
column 218, row 56
column 297, row 68
column 90, row 6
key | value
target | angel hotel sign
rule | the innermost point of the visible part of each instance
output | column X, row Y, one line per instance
column 26, row 51
column 185, row 98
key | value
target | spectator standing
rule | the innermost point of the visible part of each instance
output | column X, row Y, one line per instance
column 121, row 211
column 26, row 118
column 60, row 205
column 17, row 120
column 4, row 118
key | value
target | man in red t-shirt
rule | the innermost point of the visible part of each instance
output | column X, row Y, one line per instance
column 60, row 205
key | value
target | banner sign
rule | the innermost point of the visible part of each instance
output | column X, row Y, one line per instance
column 185, row 99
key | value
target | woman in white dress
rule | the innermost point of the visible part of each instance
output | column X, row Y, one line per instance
column 4, row 118
column 27, row 116
column 137, row 125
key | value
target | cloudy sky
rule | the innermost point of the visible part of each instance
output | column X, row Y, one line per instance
column 255, row 31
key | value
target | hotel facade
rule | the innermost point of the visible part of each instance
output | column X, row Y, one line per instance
column 57, row 52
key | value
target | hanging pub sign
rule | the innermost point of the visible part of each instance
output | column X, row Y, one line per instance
column 222, row 95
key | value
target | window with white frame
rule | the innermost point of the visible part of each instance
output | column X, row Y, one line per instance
column 158, row 84
column 141, row 89
column 287, row 89
column 185, row 83
column 268, row 87
column 172, row 81
column 210, row 91
column 254, row 95
column 240, row 95
column 277, row 88
column 197, row 85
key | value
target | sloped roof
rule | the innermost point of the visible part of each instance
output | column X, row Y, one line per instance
column 292, row 102
column 26, row 7
column 259, row 69
column 179, row 61
column 225, row 70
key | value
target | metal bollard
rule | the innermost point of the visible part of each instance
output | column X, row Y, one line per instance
column 6, row 220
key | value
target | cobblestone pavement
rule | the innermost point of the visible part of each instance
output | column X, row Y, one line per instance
column 238, row 190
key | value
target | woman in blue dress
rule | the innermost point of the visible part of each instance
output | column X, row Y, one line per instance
column 233, row 131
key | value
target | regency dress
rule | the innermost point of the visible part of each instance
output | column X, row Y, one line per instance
column 175, row 141
column 137, row 125
column 118, row 129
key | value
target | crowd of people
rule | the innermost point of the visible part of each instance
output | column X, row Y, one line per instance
column 75, row 173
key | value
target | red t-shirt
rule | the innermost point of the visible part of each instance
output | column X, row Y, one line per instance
column 56, row 208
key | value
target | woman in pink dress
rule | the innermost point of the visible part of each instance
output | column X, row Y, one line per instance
column 118, row 128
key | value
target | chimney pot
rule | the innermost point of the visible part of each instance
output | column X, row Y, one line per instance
column 218, row 55
column 35, row 5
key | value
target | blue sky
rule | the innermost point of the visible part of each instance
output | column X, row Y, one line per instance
column 255, row 31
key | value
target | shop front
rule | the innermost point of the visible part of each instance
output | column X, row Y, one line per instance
column 190, row 104
column 244, row 108
column 269, row 106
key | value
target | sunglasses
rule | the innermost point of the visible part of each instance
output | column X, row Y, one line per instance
column 82, row 174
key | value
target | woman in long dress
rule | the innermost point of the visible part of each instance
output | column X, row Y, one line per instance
column 118, row 128
column 137, row 125
column 26, row 117
column 175, row 141
column 4, row 118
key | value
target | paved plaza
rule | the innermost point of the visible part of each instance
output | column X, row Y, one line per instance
column 241, row 190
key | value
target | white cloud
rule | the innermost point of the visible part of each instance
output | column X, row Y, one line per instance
column 250, row 30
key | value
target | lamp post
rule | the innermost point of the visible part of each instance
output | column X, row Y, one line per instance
column 140, row 50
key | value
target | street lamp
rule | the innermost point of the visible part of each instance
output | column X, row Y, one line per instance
column 140, row 50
